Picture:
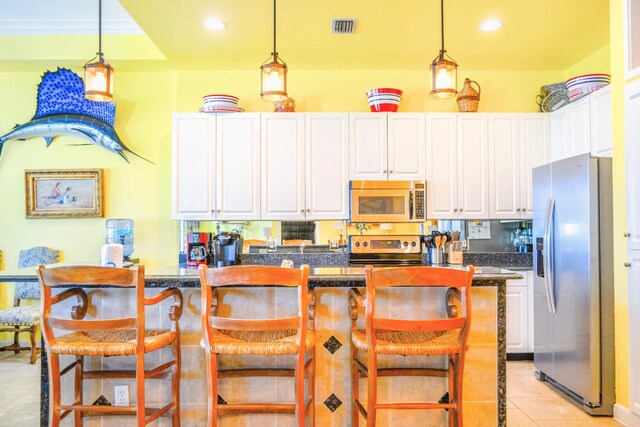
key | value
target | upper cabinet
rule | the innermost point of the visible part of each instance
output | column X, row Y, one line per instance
column 215, row 167
column 584, row 126
column 387, row 146
column 305, row 166
column 517, row 144
column 457, row 166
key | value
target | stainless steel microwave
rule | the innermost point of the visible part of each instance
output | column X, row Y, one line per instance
column 387, row 201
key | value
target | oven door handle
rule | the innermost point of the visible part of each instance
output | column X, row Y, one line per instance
column 410, row 205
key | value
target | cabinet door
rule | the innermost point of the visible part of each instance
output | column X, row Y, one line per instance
column 580, row 127
column 632, row 147
column 601, row 139
column 368, row 146
column 530, row 332
column 327, row 149
column 560, row 135
column 238, row 166
column 473, row 170
column 517, row 318
column 504, row 166
column 442, row 162
column 634, row 332
column 534, row 151
column 406, row 146
column 193, row 167
column 283, row 175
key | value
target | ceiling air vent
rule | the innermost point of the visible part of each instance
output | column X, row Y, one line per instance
column 343, row 26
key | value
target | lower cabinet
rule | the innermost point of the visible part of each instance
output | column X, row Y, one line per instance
column 520, row 314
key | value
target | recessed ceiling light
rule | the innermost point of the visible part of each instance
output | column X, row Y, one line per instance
column 491, row 25
column 214, row 24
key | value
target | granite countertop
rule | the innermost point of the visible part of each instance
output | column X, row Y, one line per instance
column 320, row 276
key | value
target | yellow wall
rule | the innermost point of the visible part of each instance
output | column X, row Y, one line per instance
column 619, row 203
column 598, row 62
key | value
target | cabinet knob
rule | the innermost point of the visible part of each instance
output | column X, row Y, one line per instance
column 627, row 264
column 390, row 171
column 219, row 210
column 384, row 171
column 308, row 210
column 213, row 211
column 627, row 234
column 518, row 209
column 460, row 210
column 302, row 210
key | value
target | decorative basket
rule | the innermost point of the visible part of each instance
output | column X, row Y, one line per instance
column 552, row 97
column 468, row 97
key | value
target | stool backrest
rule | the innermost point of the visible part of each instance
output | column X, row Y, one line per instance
column 79, row 277
column 253, row 276
column 30, row 258
column 432, row 277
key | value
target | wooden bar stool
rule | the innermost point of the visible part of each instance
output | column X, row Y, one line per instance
column 125, row 336
column 410, row 337
column 277, row 336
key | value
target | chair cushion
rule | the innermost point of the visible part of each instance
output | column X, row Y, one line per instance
column 110, row 343
column 21, row 315
column 409, row 343
column 258, row 342
column 27, row 290
column 31, row 258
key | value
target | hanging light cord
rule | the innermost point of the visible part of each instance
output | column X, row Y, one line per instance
column 275, row 53
column 441, row 22
column 100, row 28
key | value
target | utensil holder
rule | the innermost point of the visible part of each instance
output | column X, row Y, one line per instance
column 435, row 256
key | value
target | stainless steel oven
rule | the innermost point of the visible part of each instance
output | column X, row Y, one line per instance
column 387, row 201
column 385, row 250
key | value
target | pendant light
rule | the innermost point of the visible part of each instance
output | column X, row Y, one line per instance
column 98, row 76
column 274, row 72
column 443, row 69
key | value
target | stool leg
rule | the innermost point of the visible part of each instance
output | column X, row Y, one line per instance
column 459, row 368
column 452, row 387
column 54, row 389
column 372, row 389
column 355, row 390
column 299, row 389
column 16, row 340
column 312, row 388
column 32, row 336
column 212, row 382
column 78, row 390
column 175, row 381
column 140, row 412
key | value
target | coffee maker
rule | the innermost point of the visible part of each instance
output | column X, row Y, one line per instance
column 226, row 247
column 197, row 248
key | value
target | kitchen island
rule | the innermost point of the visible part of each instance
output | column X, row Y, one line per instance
column 485, row 368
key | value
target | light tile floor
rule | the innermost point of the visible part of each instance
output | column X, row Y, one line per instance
column 535, row 403
column 529, row 401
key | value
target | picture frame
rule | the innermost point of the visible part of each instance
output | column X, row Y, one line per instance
column 70, row 193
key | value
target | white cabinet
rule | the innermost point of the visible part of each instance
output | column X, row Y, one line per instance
column 457, row 166
column 327, row 166
column 473, row 166
column 601, row 137
column 215, row 166
column 305, row 166
column 632, row 143
column 517, row 144
column 283, row 162
column 519, row 320
column 387, row 146
column 583, row 126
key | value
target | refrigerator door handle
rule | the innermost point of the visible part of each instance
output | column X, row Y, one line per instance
column 548, row 255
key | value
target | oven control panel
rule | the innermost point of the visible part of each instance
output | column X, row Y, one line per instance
column 385, row 244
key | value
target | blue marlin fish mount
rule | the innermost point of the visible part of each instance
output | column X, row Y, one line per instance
column 63, row 110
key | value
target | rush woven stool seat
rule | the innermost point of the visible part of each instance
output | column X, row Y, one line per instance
column 268, row 337
column 125, row 336
column 390, row 336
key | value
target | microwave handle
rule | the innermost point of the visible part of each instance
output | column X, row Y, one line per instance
column 410, row 205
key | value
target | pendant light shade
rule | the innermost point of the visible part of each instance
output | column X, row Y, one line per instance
column 443, row 69
column 98, row 75
column 274, row 72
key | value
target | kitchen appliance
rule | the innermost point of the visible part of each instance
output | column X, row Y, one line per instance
column 387, row 201
column 385, row 250
column 197, row 248
column 573, row 279
column 226, row 247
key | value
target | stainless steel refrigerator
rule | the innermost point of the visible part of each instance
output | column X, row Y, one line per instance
column 573, row 279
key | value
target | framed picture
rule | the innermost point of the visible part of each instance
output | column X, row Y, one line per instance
column 73, row 193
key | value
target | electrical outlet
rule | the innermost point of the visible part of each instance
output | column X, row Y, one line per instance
column 122, row 395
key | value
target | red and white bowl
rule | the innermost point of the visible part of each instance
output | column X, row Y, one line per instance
column 384, row 99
